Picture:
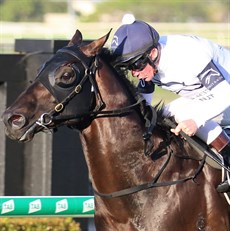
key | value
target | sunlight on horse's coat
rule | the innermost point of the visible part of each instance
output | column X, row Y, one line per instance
column 161, row 192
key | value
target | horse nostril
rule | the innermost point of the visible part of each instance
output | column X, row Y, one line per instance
column 17, row 121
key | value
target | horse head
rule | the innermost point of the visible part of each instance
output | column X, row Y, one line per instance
column 62, row 89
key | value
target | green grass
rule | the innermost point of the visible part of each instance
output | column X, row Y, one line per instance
column 163, row 95
column 218, row 32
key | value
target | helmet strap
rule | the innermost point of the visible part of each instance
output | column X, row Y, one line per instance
column 153, row 62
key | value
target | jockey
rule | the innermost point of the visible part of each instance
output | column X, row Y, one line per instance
column 196, row 69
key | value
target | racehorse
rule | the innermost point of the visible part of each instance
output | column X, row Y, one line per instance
column 144, row 177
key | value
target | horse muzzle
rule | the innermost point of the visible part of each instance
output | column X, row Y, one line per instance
column 17, row 127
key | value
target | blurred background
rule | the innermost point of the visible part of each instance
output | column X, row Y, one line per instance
column 58, row 19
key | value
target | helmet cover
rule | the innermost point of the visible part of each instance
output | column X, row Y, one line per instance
column 130, row 41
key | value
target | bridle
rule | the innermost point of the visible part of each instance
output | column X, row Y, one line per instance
column 90, row 65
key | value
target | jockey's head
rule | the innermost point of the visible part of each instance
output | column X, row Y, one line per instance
column 132, row 44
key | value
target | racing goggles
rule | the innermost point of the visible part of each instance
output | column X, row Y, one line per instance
column 139, row 64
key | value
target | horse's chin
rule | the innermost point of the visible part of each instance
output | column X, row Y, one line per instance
column 26, row 137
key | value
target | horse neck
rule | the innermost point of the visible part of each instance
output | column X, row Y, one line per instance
column 112, row 91
column 113, row 146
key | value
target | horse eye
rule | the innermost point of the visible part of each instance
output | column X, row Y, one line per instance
column 66, row 77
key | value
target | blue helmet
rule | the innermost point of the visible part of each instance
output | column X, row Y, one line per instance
column 131, row 41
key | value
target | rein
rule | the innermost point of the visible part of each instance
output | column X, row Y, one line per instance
column 97, row 113
column 153, row 183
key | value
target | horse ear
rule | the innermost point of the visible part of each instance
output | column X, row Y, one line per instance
column 95, row 47
column 76, row 39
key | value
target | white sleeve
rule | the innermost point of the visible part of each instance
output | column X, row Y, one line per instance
column 201, row 109
column 212, row 105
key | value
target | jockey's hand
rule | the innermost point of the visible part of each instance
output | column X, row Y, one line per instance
column 189, row 127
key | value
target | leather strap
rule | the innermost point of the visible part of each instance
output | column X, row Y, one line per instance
column 220, row 142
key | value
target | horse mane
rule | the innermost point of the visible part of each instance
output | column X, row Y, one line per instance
column 106, row 54
column 134, row 95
